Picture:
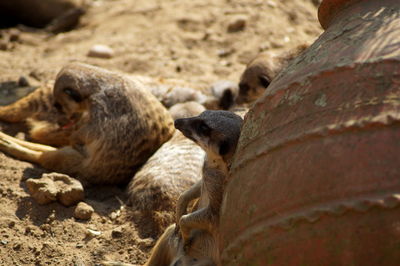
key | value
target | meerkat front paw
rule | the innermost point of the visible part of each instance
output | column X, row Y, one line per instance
column 184, row 230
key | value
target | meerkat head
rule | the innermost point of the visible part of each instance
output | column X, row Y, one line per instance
column 72, row 88
column 217, row 132
column 262, row 69
column 257, row 77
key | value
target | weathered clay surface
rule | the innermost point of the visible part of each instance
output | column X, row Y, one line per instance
column 323, row 147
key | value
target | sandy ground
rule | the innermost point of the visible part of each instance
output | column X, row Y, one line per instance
column 185, row 39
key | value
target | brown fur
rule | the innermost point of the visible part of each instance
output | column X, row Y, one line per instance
column 37, row 110
column 260, row 72
column 116, row 125
column 171, row 170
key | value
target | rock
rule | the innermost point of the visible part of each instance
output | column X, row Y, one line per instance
column 101, row 51
column 55, row 186
column 67, row 21
column 145, row 243
column 237, row 24
column 70, row 190
column 42, row 190
column 83, row 211
column 224, row 93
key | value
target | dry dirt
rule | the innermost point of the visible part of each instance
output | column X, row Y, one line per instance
column 185, row 39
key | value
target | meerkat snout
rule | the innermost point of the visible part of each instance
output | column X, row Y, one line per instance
column 217, row 132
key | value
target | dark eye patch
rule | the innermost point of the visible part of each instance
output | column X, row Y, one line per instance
column 73, row 94
column 203, row 129
column 224, row 147
column 263, row 81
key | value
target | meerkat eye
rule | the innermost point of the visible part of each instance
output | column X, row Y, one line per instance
column 204, row 129
column 243, row 87
column 58, row 106
column 264, row 81
column 224, row 147
column 74, row 95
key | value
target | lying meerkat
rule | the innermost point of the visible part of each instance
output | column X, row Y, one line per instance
column 217, row 132
column 171, row 170
column 116, row 125
column 261, row 70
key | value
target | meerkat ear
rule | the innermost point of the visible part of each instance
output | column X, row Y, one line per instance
column 73, row 94
column 264, row 81
column 224, row 147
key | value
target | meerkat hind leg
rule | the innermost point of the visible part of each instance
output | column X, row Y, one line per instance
column 19, row 151
column 26, row 144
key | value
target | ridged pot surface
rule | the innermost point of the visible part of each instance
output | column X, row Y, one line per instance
column 316, row 177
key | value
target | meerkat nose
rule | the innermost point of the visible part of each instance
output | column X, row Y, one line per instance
column 178, row 123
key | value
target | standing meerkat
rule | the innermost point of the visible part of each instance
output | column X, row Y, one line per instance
column 171, row 170
column 115, row 126
column 217, row 133
column 192, row 241
column 260, row 72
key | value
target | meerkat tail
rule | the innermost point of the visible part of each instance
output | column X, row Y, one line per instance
column 164, row 250
column 26, row 144
column 36, row 101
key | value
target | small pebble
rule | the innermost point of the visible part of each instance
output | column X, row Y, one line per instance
column 101, row 51
column 146, row 243
column 237, row 24
column 4, row 242
column 83, row 211
column 93, row 232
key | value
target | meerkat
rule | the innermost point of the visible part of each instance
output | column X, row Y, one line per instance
column 192, row 240
column 171, row 170
column 116, row 125
column 217, row 133
column 260, row 72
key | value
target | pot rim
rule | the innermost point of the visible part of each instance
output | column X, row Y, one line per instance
column 329, row 9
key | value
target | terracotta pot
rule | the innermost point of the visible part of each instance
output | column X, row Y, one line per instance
column 316, row 177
